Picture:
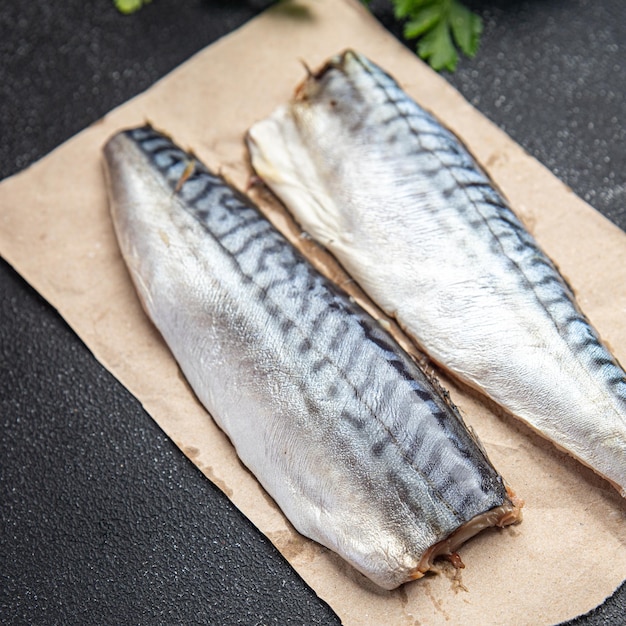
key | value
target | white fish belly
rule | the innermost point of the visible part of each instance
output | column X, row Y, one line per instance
column 349, row 437
column 406, row 210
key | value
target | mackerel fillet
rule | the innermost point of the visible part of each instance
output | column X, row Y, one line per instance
column 407, row 211
column 359, row 449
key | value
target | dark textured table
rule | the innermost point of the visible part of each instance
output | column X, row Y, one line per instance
column 103, row 519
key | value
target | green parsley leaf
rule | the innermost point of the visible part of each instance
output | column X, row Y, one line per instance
column 437, row 48
column 438, row 25
column 408, row 8
column 422, row 21
column 466, row 28
column 129, row 6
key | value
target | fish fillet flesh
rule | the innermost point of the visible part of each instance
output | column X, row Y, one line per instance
column 405, row 208
column 359, row 449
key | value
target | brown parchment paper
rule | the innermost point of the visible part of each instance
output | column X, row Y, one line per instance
column 570, row 551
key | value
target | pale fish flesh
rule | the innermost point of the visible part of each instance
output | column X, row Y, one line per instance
column 359, row 449
column 407, row 211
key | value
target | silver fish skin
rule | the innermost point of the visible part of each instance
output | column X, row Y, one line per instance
column 360, row 451
column 405, row 208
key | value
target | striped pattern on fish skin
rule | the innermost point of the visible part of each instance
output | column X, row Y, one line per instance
column 407, row 211
column 339, row 425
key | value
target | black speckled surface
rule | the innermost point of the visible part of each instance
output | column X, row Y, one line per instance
column 103, row 519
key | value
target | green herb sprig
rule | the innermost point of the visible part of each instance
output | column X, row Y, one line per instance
column 439, row 25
